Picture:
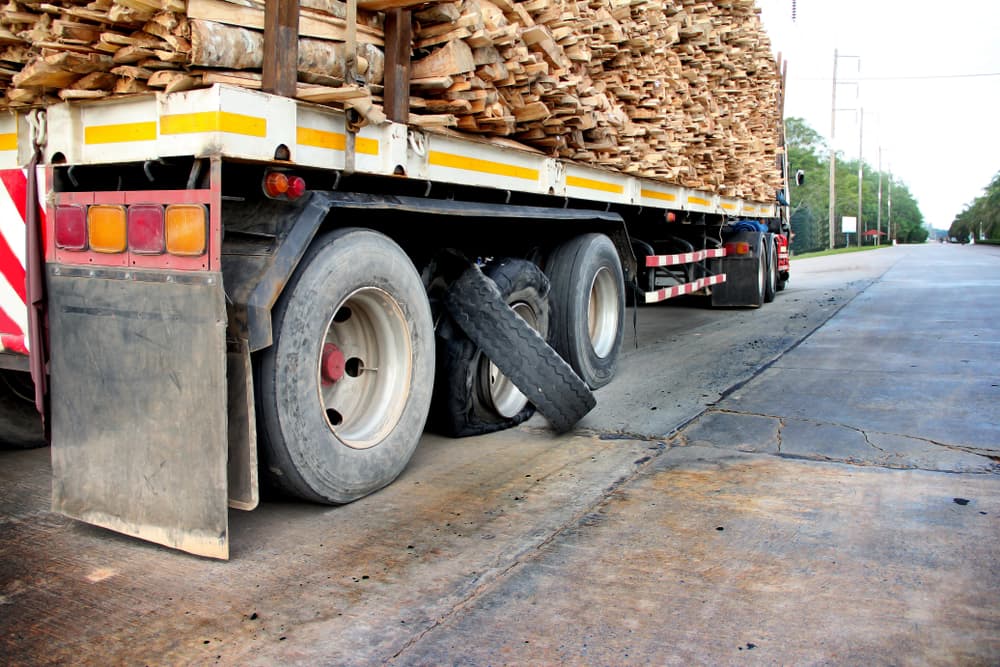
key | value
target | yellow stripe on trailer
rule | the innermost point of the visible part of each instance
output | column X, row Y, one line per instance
column 213, row 121
column 120, row 133
column 698, row 201
column 591, row 184
column 307, row 136
column 8, row 141
column 729, row 207
column 454, row 161
column 654, row 194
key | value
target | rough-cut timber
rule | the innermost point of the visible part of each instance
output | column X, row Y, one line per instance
column 684, row 91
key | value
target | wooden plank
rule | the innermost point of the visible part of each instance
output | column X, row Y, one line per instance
column 382, row 5
column 452, row 58
column 324, row 94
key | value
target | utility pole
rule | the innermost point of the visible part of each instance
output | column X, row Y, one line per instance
column 878, row 219
column 888, row 211
column 833, row 153
column 861, row 169
column 833, row 150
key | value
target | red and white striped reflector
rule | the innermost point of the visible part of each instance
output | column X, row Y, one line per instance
column 684, row 258
column 13, row 292
column 685, row 288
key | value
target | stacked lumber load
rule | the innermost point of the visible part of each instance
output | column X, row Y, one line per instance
column 685, row 91
column 92, row 49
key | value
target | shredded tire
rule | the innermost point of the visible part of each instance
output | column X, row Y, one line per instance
column 548, row 382
column 464, row 404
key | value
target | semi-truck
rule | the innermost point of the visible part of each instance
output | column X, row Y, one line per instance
column 210, row 289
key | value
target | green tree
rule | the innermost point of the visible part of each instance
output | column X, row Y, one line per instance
column 810, row 202
column 980, row 216
column 809, row 209
column 907, row 220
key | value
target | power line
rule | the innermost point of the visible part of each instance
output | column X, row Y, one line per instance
column 905, row 78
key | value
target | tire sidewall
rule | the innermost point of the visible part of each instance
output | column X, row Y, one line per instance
column 760, row 272
column 295, row 422
column 572, row 270
column 771, row 279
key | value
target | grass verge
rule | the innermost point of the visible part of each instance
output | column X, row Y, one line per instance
column 838, row 251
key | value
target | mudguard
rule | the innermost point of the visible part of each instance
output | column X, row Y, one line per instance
column 139, row 405
column 739, row 290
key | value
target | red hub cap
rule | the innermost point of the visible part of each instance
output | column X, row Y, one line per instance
column 331, row 368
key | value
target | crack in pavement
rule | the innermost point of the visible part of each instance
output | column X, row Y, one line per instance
column 870, row 443
column 965, row 449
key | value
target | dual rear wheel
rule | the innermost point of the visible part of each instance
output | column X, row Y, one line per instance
column 344, row 391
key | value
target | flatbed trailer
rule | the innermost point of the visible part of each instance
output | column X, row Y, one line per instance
column 231, row 274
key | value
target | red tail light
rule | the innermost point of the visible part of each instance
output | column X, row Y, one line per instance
column 71, row 227
column 296, row 187
column 145, row 229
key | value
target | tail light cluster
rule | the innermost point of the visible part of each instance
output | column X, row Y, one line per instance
column 143, row 229
column 280, row 185
column 738, row 248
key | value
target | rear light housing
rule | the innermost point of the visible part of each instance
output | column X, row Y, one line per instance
column 738, row 248
column 106, row 227
column 186, row 229
column 71, row 227
column 141, row 230
column 145, row 229
column 280, row 185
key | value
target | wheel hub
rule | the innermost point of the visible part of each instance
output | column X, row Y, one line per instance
column 332, row 365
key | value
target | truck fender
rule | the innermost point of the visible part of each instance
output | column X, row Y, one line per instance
column 262, row 245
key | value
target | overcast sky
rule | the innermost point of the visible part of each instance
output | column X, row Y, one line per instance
column 939, row 127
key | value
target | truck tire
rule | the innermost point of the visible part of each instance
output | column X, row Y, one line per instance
column 760, row 266
column 20, row 423
column 771, row 284
column 588, row 306
column 471, row 395
column 344, row 391
column 476, row 305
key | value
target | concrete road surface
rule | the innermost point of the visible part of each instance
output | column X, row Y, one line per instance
column 814, row 482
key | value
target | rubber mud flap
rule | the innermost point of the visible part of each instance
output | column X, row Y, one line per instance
column 478, row 308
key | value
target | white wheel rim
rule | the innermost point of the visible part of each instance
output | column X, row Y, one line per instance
column 760, row 272
column 772, row 274
column 602, row 312
column 365, row 403
column 501, row 394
